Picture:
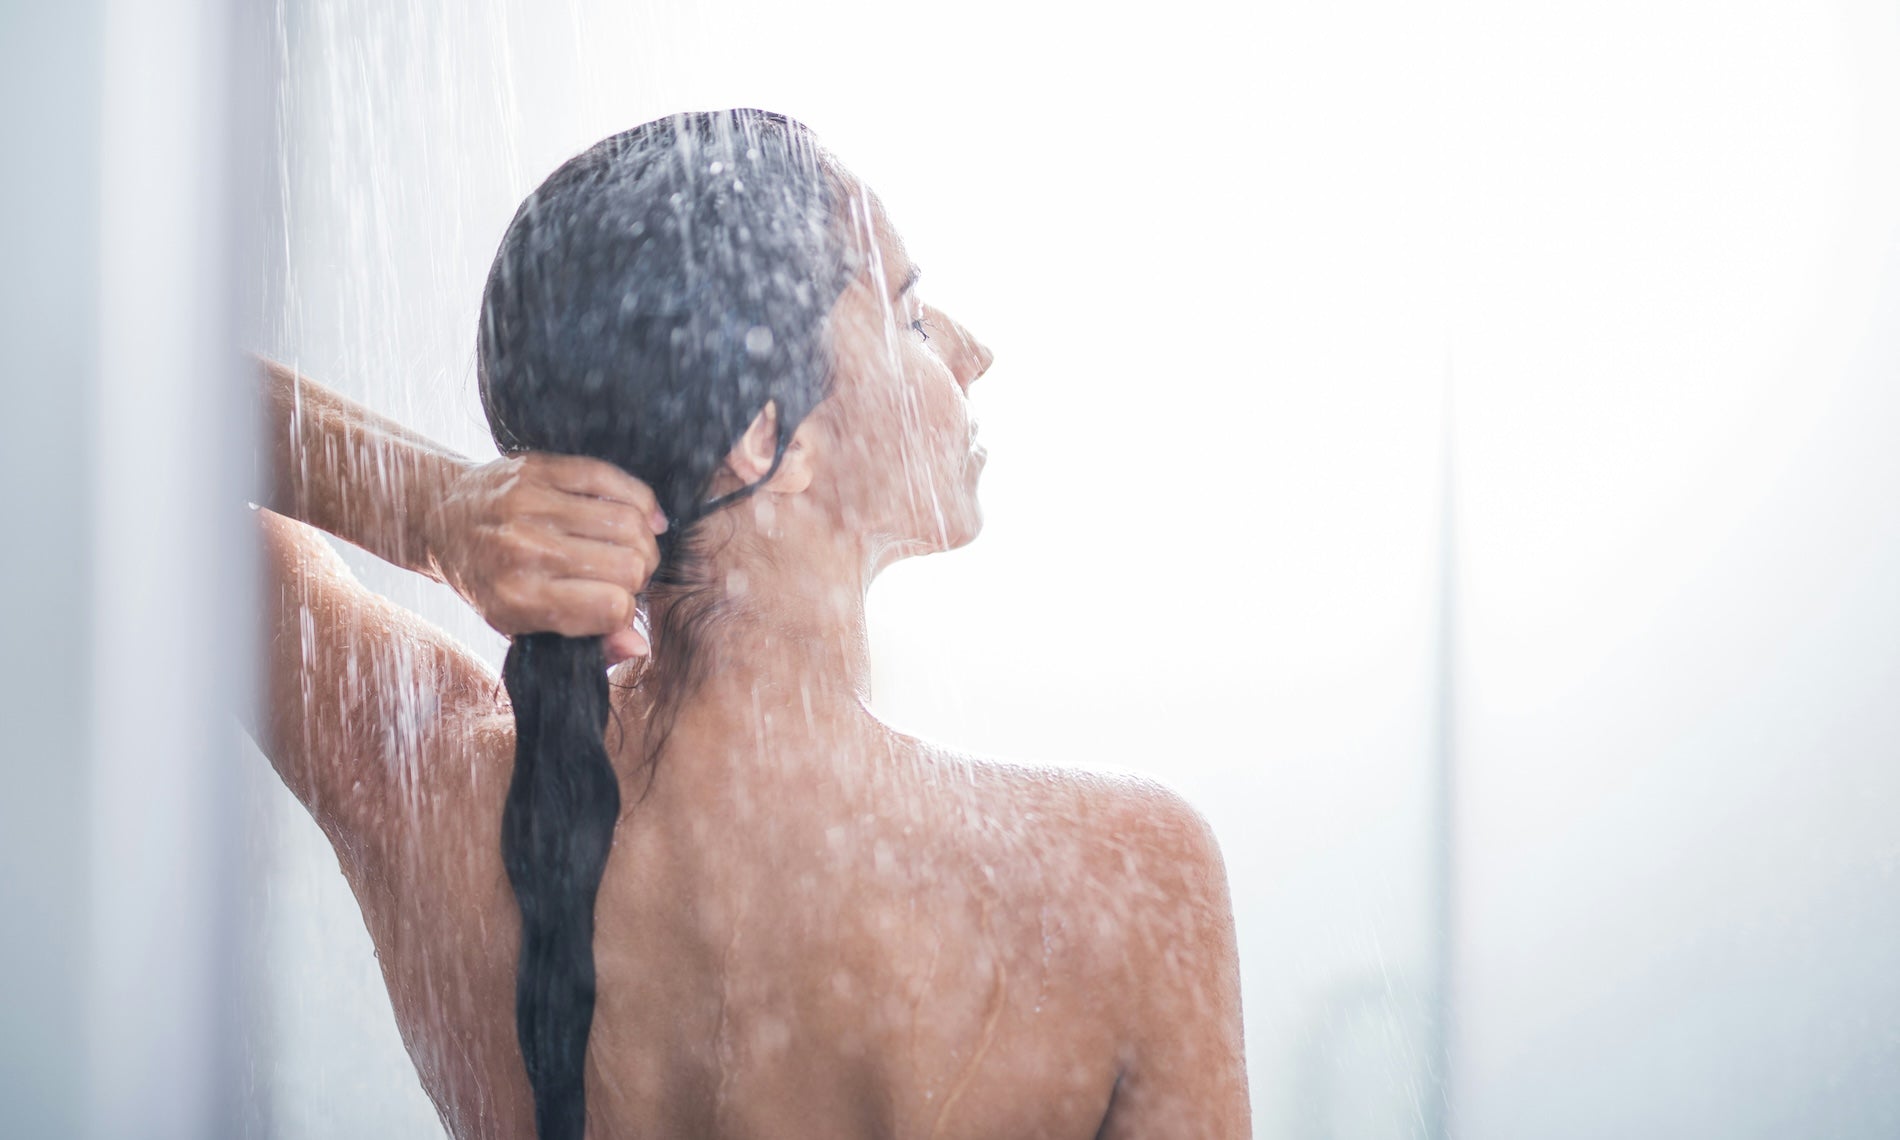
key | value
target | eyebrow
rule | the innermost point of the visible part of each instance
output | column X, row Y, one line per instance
column 909, row 281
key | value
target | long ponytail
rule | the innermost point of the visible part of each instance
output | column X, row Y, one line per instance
column 647, row 301
column 557, row 828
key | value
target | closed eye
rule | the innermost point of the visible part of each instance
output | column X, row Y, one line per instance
column 920, row 324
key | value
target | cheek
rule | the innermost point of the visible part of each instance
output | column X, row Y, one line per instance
column 919, row 413
column 937, row 402
column 866, row 444
column 899, row 439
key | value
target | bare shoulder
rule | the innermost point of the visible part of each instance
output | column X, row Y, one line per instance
column 1135, row 830
column 1127, row 855
column 361, row 696
column 1153, row 823
column 1139, row 874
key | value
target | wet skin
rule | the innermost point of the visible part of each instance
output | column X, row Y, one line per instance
column 811, row 925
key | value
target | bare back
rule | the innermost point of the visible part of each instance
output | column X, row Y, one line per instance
column 828, row 931
column 938, row 954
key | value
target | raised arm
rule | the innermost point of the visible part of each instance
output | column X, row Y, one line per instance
column 341, row 468
column 359, row 694
column 535, row 542
column 360, row 691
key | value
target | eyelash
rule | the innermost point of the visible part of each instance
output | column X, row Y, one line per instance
column 920, row 324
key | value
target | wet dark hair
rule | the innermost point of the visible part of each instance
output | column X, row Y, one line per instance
column 647, row 301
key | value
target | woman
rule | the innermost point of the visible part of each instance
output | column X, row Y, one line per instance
column 718, row 897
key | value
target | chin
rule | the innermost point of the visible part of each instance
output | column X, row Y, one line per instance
column 968, row 523
column 955, row 524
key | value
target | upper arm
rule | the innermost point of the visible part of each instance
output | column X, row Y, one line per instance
column 1183, row 1065
column 359, row 694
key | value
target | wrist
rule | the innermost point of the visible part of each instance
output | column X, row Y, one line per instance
column 431, row 516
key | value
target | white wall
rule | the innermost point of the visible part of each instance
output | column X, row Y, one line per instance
column 1678, row 371
column 49, row 334
column 124, row 590
column 1202, row 243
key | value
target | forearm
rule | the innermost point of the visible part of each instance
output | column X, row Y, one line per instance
column 342, row 468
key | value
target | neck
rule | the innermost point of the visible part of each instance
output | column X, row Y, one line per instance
column 772, row 627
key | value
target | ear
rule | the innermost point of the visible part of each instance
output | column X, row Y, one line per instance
column 751, row 457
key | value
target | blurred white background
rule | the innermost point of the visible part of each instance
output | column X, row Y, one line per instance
column 1581, row 725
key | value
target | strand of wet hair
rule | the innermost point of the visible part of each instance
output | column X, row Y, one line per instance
column 557, row 828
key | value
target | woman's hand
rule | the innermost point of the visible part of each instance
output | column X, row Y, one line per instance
column 537, row 543
column 544, row 543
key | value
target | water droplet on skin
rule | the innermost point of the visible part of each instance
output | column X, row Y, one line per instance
column 773, row 1035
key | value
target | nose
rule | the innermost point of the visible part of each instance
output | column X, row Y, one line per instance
column 973, row 357
column 976, row 357
column 984, row 358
